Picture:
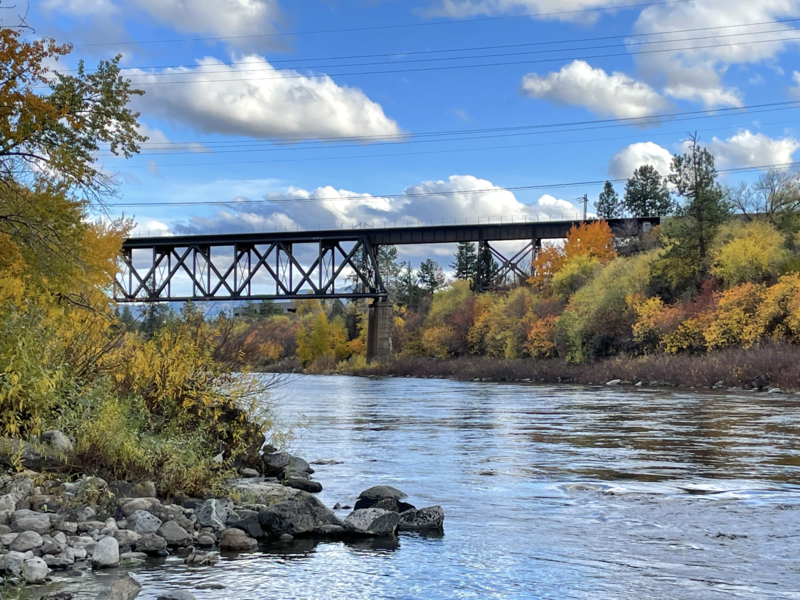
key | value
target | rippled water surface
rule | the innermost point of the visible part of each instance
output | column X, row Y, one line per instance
column 549, row 492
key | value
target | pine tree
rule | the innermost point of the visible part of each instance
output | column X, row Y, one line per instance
column 466, row 264
column 409, row 293
column 646, row 194
column 431, row 276
column 608, row 205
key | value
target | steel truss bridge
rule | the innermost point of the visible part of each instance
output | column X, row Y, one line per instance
column 338, row 263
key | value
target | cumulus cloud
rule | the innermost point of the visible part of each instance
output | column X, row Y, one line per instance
column 626, row 161
column 695, row 72
column 458, row 199
column 578, row 84
column 747, row 149
column 233, row 100
column 251, row 21
column 472, row 8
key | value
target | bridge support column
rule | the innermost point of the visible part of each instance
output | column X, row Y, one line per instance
column 380, row 330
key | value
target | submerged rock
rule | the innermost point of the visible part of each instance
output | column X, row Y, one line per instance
column 423, row 519
column 126, row 588
column 237, row 540
column 176, row 595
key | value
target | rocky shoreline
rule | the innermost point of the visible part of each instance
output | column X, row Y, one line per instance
column 49, row 523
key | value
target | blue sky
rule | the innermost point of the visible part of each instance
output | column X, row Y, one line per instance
column 246, row 124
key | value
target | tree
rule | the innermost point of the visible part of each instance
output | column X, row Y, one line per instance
column 466, row 264
column 775, row 194
column 646, row 194
column 386, row 258
column 748, row 252
column 431, row 276
column 486, row 268
column 591, row 240
column 608, row 205
column 694, row 177
column 409, row 293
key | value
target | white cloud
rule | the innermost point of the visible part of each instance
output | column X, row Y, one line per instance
column 795, row 91
column 82, row 7
column 746, row 149
column 696, row 73
column 579, row 84
column 152, row 168
column 268, row 103
column 157, row 141
column 150, row 226
column 626, row 161
column 472, row 8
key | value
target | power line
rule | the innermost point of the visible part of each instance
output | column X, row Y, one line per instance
column 459, row 135
column 448, row 151
column 443, row 68
column 506, row 46
column 421, row 194
column 385, row 27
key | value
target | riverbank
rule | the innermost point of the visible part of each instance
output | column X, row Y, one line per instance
column 772, row 367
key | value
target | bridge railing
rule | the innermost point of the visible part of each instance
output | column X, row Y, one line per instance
column 361, row 225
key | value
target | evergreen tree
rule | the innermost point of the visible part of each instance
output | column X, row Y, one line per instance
column 486, row 268
column 466, row 264
column 704, row 209
column 646, row 194
column 608, row 205
column 126, row 318
column 431, row 276
column 409, row 293
column 386, row 257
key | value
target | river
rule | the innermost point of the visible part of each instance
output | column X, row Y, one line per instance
column 558, row 492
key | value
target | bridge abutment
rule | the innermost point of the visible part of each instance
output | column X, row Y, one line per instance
column 380, row 331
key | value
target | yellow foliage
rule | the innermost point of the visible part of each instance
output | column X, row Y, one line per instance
column 541, row 339
column 778, row 317
column 591, row 240
column 748, row 252
column 732, row 323
column 436, row 341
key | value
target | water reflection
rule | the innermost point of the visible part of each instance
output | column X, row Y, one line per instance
column 550, row 492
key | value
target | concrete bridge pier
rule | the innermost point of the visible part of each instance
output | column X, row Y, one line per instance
column 380, row 331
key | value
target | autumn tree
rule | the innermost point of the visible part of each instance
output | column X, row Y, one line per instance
column 592, row 240
column 608, row 205
column 646, row 194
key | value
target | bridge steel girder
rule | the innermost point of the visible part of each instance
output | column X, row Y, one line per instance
column 271, row 255
column 273, row 260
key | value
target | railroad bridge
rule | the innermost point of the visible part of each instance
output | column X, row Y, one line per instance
column 327, row 264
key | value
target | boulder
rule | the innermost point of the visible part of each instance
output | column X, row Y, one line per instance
column 305, row 485
column 205, row 541
column 372, row 521
column 174, row 534
column 275, row 463
column 264, row 492
column 373, row 495
column 106, row 553
column 34, row 570
column 59, row 562
column 250, row 525
column 212, row 513
column 132, row 557
column 126, row 588
column 297, row 467
column 12, row 562
column 236, row 540
column 35, row 457
column 249, row 473
column 58, row 442
column 27, row 540
column 393, row 505
column 143, row 522
column 171, row 512
column 28, row 520
column 297, row 516
column 151, row 544
column 202, row 559
column 138, row 504
column 423, row 519
column 126, row 537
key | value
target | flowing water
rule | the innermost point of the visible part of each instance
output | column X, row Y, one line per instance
column 549, row 492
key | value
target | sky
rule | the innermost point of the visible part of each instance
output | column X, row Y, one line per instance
column 265, row 114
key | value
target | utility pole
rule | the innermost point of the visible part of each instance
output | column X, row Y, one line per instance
column 585, row 199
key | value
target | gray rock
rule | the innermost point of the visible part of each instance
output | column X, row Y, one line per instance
column 143, row 522
column 264, row 492
column 176, row 595
column 249, row 473
column 171, row 512
column 138, row 504
column 58, row 442
column 202, row 559
column 126, row 537
column 205, row 541
column 34, row 570
column 423, row 519
column 237, row 540
column 59, row 562
column 614, row 382
column 297, row 516
column 306, row 485
column 776, row 390
column 35, row 457
column 250, row 526
column 151, row 544
column 212, row 513
column 12, row 562
column 132, row 557
column 27, row 540
column 297, row 467
column 106, row 553
column 372, row 521
column 369, row 498
column 126, row 588
column 174, row 534
column 275, row 463
column 68, row 527
column 28, row 520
